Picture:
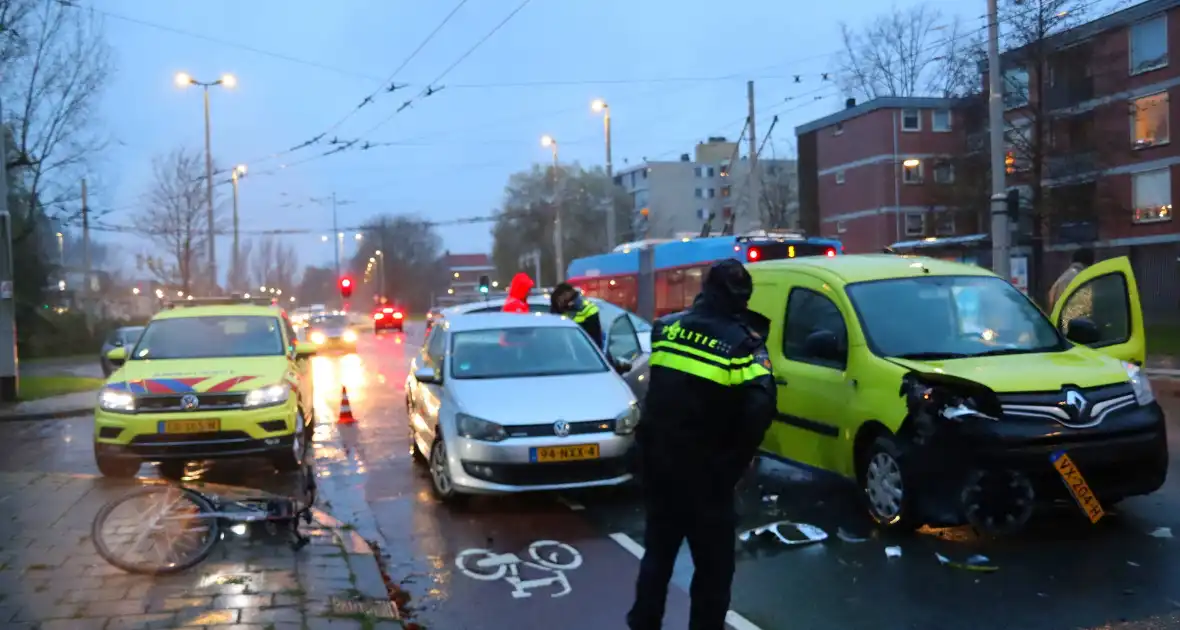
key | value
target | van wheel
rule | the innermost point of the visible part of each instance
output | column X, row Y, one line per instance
column 116, row 467
column 292, row 460
column 885, row 485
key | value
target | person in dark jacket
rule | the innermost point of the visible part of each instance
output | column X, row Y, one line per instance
column 567, row 300
column 518, row 294
column 711, row 398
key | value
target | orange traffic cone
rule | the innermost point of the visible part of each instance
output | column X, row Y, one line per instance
column 345, row 416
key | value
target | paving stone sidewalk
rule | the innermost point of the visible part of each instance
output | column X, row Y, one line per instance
column 51, row 576
column 64, row 406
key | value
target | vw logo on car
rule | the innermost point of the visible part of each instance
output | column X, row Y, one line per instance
column 189, row 402
column 561, row 428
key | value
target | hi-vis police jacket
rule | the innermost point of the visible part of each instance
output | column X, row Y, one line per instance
column 585, row 314
column 710, row 400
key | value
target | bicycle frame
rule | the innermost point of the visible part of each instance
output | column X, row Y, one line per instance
column 274, row 510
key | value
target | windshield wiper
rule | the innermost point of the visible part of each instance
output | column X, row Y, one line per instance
column 1002, row 351
column 931, row 356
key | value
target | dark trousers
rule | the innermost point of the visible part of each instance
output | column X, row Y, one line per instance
column 706, row 518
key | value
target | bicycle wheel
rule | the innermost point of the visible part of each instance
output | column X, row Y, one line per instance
column 173, row 530
column 555, row 555
column 476, row 572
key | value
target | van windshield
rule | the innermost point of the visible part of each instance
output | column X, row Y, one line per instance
column 949, row 317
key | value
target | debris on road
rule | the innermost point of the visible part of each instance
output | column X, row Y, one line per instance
column 848, row 537
column 974, row 563
column 893, row 552
column 1161, row 532
column 787, row 533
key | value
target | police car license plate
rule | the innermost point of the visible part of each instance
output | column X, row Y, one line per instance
column 204, row 425
column 1078, row 487
column 573, row 452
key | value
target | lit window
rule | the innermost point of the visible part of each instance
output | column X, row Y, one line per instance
column 940, row 120
column 1149, row 121
column 839, row 177
column 911, row 120
column 912, row 174
column 1149, row 45
column 1015, row 88
column 1152, row 194
column 915, row 224
column 725, row 192
column 944, row 173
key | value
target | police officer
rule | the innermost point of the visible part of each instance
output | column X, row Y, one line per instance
column 568, row 301
column 710, row 400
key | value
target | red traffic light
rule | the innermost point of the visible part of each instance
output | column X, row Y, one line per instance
column 345, row 287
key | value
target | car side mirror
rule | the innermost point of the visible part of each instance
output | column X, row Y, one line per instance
column 426, row 375
column 1083, row 331
column 822, row 344
column 117, row 356
column 304, row 349
column 622, row 366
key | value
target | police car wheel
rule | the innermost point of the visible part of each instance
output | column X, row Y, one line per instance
column 116, row 467
column 883, row 485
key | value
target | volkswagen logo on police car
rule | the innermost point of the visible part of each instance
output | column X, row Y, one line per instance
column 561, row 428
column 188, row 402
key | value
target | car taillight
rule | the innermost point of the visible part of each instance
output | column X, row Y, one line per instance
column 378, row 315
column 753, row 254
column 397, row 315
column 831, row 253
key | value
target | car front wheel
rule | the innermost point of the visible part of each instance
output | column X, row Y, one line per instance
column 884, row 487
column 292, row 460
column 116, row 467
column 440, row 474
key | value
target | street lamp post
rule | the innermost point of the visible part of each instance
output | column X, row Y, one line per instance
column 381, row 275
column 600, row 105
column 558, row 258
column 61, row 250
column 184, row 79
column 235, row 268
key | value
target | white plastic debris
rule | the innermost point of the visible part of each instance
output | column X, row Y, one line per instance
column 1161, row 532
column 848, row 537
column 787, row 533
column 893, row 552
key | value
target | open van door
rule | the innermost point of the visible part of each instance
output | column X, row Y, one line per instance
column 1106, row 294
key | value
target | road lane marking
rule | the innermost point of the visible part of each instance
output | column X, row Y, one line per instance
column 733, row 619
column 488, row 566
column 573, row 505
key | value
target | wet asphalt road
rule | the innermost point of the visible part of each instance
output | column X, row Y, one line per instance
column 1060, row 574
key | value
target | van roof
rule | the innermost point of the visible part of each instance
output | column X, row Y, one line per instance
column 865, row 267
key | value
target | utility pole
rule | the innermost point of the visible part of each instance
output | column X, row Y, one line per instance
column 8, row 349
column 85, row 253
column 1001, row 253
column 755, row 180
column 336, row 236
column 209, row 195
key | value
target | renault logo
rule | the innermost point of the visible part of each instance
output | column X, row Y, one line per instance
column 1077, row 401
column 188, row 402
column 561, row 428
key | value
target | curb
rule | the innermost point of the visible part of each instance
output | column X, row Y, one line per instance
column 372, row 582
column 47, row 415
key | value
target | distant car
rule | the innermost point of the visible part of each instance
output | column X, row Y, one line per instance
column 389, row 318
column 332, row 332
column 504, row 403
column 124, row 337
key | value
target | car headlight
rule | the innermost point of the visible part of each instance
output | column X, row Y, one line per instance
column 1139, row 383
column 479, row 429
column 318, row 338
column 113, row 400
column 265, row 396
column 626, row 422
column 349, row 336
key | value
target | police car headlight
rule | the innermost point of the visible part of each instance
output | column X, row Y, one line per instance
column 266, row 396
column 349, row 336
column 318, row 338
column 479, row 429
column 626, row 422
column 1139, row 384
column 117, row 401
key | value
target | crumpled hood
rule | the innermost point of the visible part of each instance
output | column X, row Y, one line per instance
column 520, row 286
column 178, row 376
column 1043, row 372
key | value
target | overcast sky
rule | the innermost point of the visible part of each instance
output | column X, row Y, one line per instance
column 461, row 144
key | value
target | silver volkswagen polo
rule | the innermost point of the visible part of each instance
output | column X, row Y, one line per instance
column 505, row 402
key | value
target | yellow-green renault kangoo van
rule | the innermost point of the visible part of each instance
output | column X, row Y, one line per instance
column 945, row 393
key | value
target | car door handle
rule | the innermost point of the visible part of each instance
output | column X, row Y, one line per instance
column 780, row 381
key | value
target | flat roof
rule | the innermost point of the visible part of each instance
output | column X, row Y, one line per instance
column 885, row 102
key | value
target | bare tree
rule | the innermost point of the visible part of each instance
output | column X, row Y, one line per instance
column 272, row 264
column 779, row 207
column 53, row 73
column 175, row 219
column 915, row 51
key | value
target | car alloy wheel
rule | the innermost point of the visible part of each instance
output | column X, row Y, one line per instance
column 440, row 471
column 883, row 487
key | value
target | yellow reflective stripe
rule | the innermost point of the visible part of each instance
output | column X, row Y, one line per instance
column 671, row 345
column 696, row 368
column 748, row 373
column 587, row 310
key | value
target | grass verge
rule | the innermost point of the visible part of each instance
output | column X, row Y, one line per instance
column 38, row 387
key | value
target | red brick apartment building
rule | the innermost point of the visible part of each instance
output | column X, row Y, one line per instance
column 906, row 169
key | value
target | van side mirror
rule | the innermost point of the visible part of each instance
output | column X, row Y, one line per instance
column 1083, row 331
column 117, row 356
column 823, row 345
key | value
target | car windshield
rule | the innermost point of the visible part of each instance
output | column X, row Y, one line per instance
column 947, row 317
column 523, row 352
column 130, row 335
column 329, row 321
column 208, row 337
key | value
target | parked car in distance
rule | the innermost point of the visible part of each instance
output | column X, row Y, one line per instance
column 124, row 337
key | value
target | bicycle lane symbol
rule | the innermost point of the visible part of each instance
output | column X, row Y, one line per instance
column 550, row 557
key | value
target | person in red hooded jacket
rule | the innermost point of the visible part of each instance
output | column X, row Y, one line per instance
column 518, row 294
